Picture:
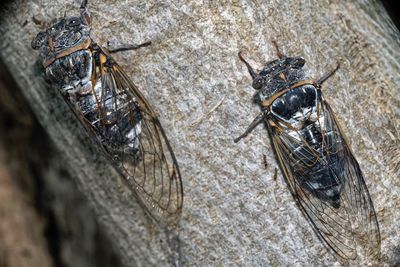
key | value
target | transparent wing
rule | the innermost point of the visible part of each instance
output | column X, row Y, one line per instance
column 347, row 221
column 133, row 137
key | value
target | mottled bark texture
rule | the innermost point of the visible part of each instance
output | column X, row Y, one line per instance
column 234, row 212
column 44, row 220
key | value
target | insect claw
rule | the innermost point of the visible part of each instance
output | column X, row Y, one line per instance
column 260, row 117
column 240, row 137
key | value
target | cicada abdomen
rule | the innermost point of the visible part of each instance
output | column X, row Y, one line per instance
column 319, row 167
column 113, row 111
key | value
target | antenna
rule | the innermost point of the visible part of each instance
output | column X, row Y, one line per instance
column 250, row 68
column 278, row 52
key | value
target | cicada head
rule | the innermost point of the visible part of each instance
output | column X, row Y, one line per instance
column 276, row 75
column 64, row 34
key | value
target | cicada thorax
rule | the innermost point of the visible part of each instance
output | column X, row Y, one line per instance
column 72, row 73
column 113, row 114
column 297, row 107
column 297, row 114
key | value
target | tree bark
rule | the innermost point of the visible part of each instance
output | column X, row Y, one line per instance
column 234, row 212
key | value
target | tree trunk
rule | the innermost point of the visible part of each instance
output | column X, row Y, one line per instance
column 234, row 212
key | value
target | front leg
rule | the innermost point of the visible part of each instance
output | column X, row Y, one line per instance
column 326, row 76
column 260, row 117
column 128, row 47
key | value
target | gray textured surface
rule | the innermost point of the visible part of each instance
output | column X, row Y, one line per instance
column 234, row 212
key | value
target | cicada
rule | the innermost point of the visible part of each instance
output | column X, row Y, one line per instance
column 113, row 111
column 314, row 156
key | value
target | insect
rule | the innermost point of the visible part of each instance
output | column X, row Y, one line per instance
column 265, row 162
column 113, row 111
column 275, row 174
column 316, row 160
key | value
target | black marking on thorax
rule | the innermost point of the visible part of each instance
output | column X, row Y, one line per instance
column 296, row 105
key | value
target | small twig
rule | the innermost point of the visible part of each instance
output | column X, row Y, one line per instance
column 208, row 113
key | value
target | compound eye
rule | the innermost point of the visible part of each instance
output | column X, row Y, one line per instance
column 73, row 22
column 299, row 63
column 257, row 83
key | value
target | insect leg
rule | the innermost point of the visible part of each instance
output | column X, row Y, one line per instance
column 327, row 75
column 128, row 47
column 83, row 4
column 260, row 117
